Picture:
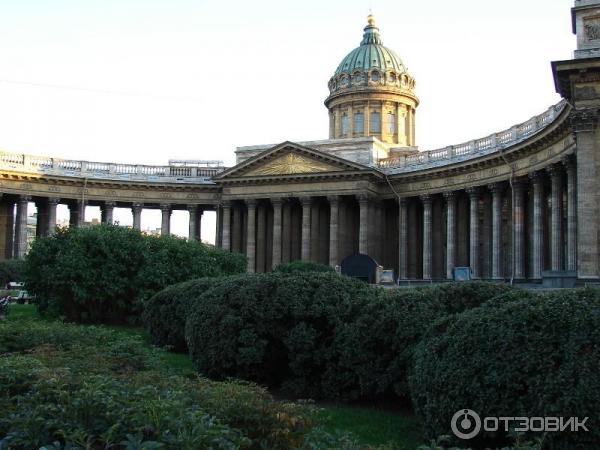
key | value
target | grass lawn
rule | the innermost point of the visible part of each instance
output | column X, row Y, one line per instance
column 371, row 425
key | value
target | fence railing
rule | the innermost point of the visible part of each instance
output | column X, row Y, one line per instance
column 485, row 145
column 91, row 169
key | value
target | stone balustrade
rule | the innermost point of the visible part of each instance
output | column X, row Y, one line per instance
column 474, row 148
column 42, row 165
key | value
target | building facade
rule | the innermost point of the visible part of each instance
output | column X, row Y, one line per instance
column 512, row 205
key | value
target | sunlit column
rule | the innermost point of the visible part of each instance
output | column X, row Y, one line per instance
column 52, row 205
column 192, row 223
column 496, row 189
column 450, row 233
column 571, row 168
column 334, row 208
column 474, row 230
column 537, row 256
column 251, row 236
column 363, row 233
column 165, row 226
column 306, row 210
column 136, row 210
column 21, row 226
column 107, row 213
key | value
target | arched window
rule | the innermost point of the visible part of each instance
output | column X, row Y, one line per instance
column 375, row 122
column 359, row 122
column 391, row 123
column 344, row 124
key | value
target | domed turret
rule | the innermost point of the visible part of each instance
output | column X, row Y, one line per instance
column 372, row 94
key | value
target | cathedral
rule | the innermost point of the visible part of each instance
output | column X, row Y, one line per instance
column 521, row 204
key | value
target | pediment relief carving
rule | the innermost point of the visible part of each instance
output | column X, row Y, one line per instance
column 291, row 164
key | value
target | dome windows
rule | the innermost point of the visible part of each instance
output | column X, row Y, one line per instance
column 375, row 77
column 344, row 124
column 391, row 120
column 375, row 122
column 359, row 122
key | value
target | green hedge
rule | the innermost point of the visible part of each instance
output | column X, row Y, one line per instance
column 377, row 347
column 105, row 273
column 11, row 270
column 166, row 312
column 277, row 329
column 534, row 357
column 302, row 266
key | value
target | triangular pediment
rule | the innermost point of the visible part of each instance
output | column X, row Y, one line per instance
column 289, row 159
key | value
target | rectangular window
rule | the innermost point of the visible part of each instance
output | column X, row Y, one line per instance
column 375, row 122
column 344, row 124
column 391, row 123
column 359, row 123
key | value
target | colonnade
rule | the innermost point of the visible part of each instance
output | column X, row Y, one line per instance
column 14, row 218
column 515, row 228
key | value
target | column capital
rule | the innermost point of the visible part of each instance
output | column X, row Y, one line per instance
column 137, row 205
column 554, row 170
column 24, row 198
column 496, row 188
column 584, row 119
column 166, row 207
column 110, row 203
column 192, row 208
column 450, row 195
column 226, row 204
column 251, row 203
column 473, row 192
column 537, row 177
column 53, row 200
column 520, row 184
column 306, row 201
column 333, row 198
column 570, row 163
column 364, row 198
column 426, row 199
column 276, row 201
column 402, row 201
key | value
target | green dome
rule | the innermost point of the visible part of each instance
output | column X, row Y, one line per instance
column 371, row 54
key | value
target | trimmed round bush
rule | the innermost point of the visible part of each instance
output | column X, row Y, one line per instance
column 277, row 329
column 166, row 312
column 302, row 266
column 377, row 347
column 105, row 273
column 535, row 357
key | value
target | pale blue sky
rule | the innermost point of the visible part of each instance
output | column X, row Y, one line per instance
column 194, row 79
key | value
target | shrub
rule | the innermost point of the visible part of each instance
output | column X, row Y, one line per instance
column 377, row 347
column 166, row 312
column 278, row 329
column 536, row 357
column 105, row 273
column 302, row 266
column 92, row 387
column 11, row 270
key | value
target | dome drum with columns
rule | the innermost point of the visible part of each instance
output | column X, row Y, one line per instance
column 372, row 94
column 522, row 204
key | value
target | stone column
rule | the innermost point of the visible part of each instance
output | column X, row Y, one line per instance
column 571, row 168
column 136, row 210
column 251, row 235
column 165, row 226
column 107, row 213
column 402, row 239
column 306, row 209
column 236, row 229
column 261, row 235
column 519, row 228
column 363, row 233
column 52, row 205
column 193, row 222
column 218, row 221
column 286, row 232
column 537, row 256
column 334, row 211
column 277, row 203
column 226, row 220
column 77, row 213
column 198, row 232
column 41, row 228
column 474, row 232
column 450, row 233
column 556, row 233
column 427, row 241
column 496, row 189
column 21, row 226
